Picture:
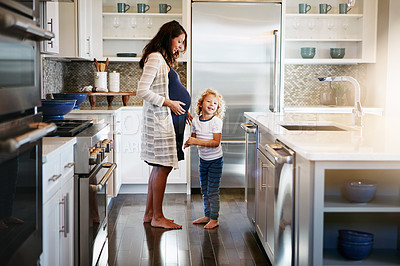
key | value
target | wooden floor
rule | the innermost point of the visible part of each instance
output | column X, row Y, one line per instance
column 131, row 242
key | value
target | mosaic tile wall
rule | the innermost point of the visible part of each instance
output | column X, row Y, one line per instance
column 302, row 87
column 71, row 76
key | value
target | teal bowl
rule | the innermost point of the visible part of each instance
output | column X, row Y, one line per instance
column 307, row 52
column 337, row 53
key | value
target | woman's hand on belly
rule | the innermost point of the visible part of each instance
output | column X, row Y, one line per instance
column 175, row 106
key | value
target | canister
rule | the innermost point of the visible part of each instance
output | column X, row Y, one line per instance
column 100, row 80
column 114, row 81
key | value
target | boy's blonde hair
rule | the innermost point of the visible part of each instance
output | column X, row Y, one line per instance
column 221, row 104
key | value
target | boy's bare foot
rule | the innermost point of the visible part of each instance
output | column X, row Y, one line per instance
column 211, row 224
column 202, row 220
column 165, row 223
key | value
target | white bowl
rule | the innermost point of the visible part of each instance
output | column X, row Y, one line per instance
column 360, row 191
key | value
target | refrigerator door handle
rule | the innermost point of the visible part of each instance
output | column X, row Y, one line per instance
column 276, row 106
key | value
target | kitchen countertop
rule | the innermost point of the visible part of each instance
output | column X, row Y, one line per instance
column 330, row 109
column 51, row 144
column 102, row 109
column 377, row 140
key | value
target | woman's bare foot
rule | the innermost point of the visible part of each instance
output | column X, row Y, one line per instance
column 202, row 220
column 147, row 219
column 211, row 224
column 165, row 223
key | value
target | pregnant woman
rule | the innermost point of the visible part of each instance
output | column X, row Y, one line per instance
column 165, row 111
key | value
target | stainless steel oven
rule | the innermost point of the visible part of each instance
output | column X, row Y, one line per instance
column 21, row 132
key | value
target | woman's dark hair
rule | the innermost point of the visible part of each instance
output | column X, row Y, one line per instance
column 162, row 42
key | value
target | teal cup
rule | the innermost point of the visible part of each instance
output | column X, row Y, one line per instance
column 307, row 52
column 164, row 8
column 142, row 8
column 122, row 7
column 344, row 8
column 324, row 8
column 337, row 53
column 304, row 8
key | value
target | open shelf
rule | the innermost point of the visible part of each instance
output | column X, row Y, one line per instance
column 377, row 257
column 170, row 15
column 378, row 204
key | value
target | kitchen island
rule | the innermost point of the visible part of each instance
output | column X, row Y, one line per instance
column 324, row 160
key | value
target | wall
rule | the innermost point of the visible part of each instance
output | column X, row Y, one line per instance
column 62, row 76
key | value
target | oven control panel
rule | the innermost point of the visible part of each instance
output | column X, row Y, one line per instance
column 99, row 151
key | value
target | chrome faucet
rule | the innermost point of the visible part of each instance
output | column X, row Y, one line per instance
column 358, row 110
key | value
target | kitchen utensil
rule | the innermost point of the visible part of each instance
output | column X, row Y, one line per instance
column 97, row 65
column 56, row 109
column 105, row 68
column 79, row 97
column 126, row 54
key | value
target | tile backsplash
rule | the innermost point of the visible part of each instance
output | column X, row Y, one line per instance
column 61, row 76
column 302, row 87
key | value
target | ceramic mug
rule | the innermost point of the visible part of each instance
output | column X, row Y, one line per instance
column 343, row 8
column 122, row 7
column 164, row 8
column 142, row 8
column 324, row 8
column 304, row 8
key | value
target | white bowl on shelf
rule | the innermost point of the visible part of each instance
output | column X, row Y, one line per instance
column 359, row 191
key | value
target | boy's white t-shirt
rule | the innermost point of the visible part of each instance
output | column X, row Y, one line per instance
column 204, row 130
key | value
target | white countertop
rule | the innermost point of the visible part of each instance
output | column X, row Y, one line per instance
column 331, row 109
column 377, row 140
column 103, row 109
column 51, row 144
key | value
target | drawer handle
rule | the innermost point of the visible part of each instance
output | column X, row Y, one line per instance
column 55, row 177
column 69, row 165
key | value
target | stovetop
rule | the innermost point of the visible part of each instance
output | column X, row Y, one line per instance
column 69, row 128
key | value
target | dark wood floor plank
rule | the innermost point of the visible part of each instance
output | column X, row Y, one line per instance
column 132, row 242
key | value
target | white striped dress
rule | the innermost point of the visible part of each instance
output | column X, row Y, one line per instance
column 158, row 135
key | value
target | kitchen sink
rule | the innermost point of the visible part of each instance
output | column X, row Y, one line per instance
column 313, row 127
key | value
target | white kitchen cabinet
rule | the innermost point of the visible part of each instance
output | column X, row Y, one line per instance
column 50, row 21
column 58, row 202
column 76, row 37
column 355, row 31
column 129, row 32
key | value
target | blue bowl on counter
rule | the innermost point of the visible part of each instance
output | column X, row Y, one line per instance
column 56, row 109
column 79, row 97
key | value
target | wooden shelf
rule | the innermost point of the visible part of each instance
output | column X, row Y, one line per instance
column 110, row 97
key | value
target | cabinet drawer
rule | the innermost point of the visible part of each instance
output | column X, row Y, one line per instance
column 52, row 172
column 67, row 160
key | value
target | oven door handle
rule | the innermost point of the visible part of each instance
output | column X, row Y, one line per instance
column 31, row 31
column 13, row 144
column 103, row 181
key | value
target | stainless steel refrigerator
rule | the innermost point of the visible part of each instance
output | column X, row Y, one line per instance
column 236, row 51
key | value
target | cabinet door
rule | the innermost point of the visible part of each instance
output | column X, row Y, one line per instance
column 85, row 42
column 51, row 246
column 66, row 234
column 51, row 23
